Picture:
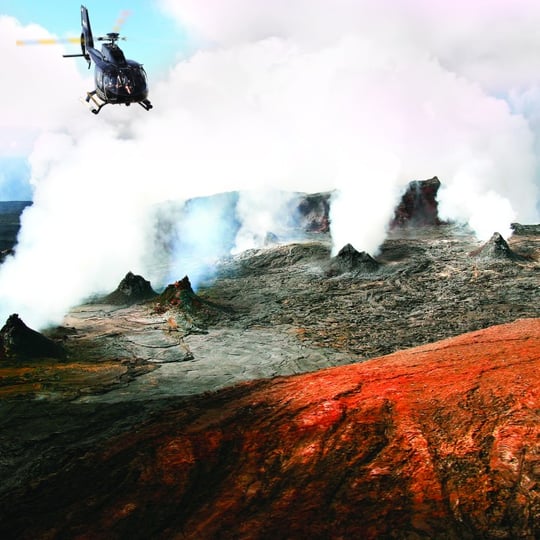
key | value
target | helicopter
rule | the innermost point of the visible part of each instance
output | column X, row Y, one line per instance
column 117, row 80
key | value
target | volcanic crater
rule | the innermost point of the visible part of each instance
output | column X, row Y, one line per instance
column 385, row 395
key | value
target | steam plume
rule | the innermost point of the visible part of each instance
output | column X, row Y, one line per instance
column 358, row 97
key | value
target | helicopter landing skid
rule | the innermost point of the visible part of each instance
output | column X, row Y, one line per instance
column 94, row 102
column 145, row 104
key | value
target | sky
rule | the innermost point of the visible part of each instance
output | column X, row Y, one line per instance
column 152, row 38
column 357, row 97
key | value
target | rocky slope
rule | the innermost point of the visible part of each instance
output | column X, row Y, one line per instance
column 441, row 441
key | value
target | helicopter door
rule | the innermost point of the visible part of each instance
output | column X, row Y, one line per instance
column 99, row 79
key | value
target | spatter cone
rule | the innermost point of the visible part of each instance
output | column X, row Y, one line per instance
column 18, row 341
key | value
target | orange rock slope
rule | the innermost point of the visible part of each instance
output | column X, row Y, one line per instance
column 440, row 441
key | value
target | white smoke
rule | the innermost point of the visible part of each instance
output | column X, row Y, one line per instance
column 203, row 231
column 358, row 97
column 260, row 213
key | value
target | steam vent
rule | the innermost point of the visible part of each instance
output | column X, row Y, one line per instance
column 131, row 290
column 17, row 341
column 179, row 293
column 349, row 259
column 498, row 248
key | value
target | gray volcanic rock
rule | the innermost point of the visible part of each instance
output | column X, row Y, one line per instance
column 131, row 290
column 18, row 341
column 313, row 212
column 188, row 310
column 497, row 248
column 521, row 229
column 349, row 259
column 10, row 223
column 5, row 253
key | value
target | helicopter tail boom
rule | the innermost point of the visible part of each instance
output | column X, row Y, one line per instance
column 86, row 29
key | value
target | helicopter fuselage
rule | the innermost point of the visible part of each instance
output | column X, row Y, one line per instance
column 117, row 79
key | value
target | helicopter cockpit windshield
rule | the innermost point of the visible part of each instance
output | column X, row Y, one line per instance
column 127, row 81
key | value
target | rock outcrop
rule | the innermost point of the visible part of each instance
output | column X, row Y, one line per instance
column 418, row 205
column 526, row 229
column 18, row 341
column 313, row 212
column 349, row 259
column 131, row 290
column 497, row 248
column 187, row 310
column 440, row 441
column 10, row 223
column 5, row 253
column 179, row 293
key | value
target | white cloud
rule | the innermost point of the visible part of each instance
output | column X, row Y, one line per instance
column 40, row 90
column 494, row 42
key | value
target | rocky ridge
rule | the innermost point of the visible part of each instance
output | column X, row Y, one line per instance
column 10, row 224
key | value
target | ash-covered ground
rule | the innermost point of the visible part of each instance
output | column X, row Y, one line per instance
column 288, row 309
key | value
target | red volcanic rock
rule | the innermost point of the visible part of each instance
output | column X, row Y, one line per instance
column 418, row 206
column 179, row 293
column 440, row 441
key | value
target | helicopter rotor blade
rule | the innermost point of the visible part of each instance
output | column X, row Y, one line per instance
column 121, row 20
column 47, row 41
column 108, row 38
